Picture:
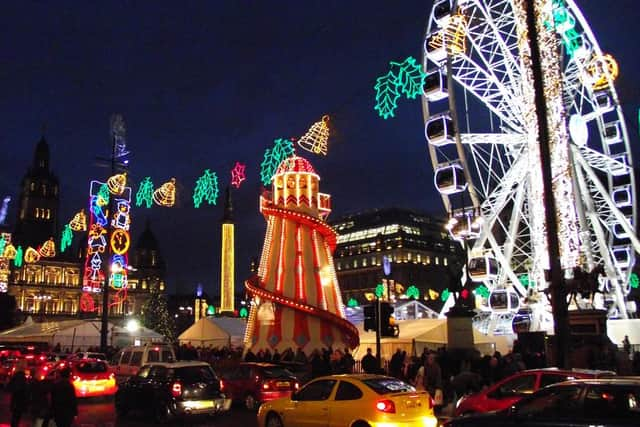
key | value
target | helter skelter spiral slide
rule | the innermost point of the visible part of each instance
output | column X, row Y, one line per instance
column 481, row 129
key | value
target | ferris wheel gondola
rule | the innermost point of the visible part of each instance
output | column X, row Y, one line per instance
column 478, row 113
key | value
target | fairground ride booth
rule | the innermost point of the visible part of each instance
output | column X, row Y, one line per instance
column 215, row 332
column 416, row 335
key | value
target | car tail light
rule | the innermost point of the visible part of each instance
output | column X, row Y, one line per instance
column 76, row 378
column 386, row 406
column 176, row 389
column 266, row 385
column 296, row 386
column 221, row 385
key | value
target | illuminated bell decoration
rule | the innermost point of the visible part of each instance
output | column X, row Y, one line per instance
column 10, row 251
column 31, row 255
column 79, row 221
column 117, row 183
column 600, row 69
column 48, row 249
column 316, row 138
column 453, row 36
column 166, row 194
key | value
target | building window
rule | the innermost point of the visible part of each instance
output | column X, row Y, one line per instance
column 445, row 261
column 419, row 257
column 437, row 261
column 373, row 261
column 44, row 189
column 355, row 263
column 32, row 186
column 364, row 262
column 428, row 260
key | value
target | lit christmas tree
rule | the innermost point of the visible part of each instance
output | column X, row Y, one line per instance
column 155, row 315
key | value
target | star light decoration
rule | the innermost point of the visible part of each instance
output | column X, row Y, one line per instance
column 282, row 148
column 316, row 138
column 238, row 174
column 145, row 193
column 406, row 78
column 206, row 189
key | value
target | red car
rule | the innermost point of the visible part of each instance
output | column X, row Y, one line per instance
column 505, row 393
column 92, row 377
column 254, row 383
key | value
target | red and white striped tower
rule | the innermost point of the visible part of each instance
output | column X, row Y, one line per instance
column 297, row 301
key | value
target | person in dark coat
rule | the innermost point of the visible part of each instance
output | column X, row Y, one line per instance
column 19, row 389
column 369, row 363
column 64, row 405
column 41, row 401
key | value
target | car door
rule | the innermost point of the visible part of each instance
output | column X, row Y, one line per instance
column 133, row 388
column 346, row 403
column 510, row 391
column 155, row 388
column 551, row 407
column 310, row 406
column 615, row 405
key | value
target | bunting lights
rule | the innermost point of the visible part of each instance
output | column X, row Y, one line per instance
column 406, row 78
column 206, row 189
column 166, row 194
column 238, row 174
column 316, row 138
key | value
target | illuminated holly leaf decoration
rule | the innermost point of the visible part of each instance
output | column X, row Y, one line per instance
column 410, row 77
column 482, row 291
column 103, row 195
column 211, row 310
column 444, row 296
column 206, row 189
column 19, row 259
column 282, row 149
column 379, row 290
column 145, row 193
column 67, row 238
column 634, row 281
column 238, row 175
column 386, row 95
column 413, row 292
column 353, row 303
column 3, row 243
column 524, row 280
column 244, row 313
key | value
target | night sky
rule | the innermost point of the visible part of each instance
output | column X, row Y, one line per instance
column 203, row 84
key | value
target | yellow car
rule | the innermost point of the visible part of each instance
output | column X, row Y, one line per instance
column 358, row 400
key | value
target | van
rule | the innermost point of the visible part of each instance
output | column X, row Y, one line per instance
column 128, row 361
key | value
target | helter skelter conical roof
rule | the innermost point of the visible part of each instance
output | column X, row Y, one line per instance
column 295, row 164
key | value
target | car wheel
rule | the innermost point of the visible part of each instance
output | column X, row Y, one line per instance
column 162, row 413
column 273, row 420
column 360, row 424
column 251, row 403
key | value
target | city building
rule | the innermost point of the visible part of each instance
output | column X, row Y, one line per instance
column 51, row 287
column 422, row 256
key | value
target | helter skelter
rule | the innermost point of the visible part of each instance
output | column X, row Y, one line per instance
column 296, row 297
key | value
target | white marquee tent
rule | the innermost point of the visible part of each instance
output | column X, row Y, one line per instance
column 415, row 335
column 75, row 335
column 215, row 332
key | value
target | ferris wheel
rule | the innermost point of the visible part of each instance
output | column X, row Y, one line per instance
column 482, row 138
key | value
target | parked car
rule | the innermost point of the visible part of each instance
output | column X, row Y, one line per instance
column 128, row 361
column 253, row 383
column 91, row 377
column 351, row 400
column 169, row 390
column 88, row 355
column 508, row 391
column 578, row 403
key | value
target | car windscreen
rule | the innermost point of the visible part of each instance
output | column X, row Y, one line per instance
column 276, row 372
column 91, row 367
column 387, row 385
column 195, row 374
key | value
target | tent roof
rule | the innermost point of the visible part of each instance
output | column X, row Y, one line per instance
column 215, row 330
column 48, row 329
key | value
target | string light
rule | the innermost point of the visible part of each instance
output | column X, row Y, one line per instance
column 79, row 222
column 316, row 138
column 387, row 95
column 145, row 193
column 166, row 194
column 238, row 174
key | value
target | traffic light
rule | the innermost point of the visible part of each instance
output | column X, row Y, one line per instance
column 388, row 328
column 370, row 318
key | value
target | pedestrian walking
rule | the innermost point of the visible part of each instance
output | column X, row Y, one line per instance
column 19, row 389
column 369, row 363
column 64, row 405
column 41, row 402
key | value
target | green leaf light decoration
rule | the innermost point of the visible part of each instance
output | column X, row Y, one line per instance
column 634, row 281
column 282, row 149
column 67, row 238
column 19, row 259
column 482, row 291
column 3, row 243
column 524, row 280
column 206, row 189
column 410, row 77
column 379, row 290
column 413, row 292
column 445, row 295
column 353, row 303
column 145, row 193
column 386, row 95
column 211, row 310
column 244, row 313
column 103, row 195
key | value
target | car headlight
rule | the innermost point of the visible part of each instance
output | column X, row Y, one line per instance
column 459, row 401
